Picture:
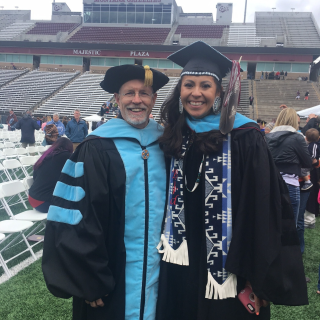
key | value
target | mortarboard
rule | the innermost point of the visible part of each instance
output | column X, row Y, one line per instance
column 116, row 76
column 200, row 59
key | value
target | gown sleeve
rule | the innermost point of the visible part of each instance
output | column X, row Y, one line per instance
column 75, row 258
column 265, row 246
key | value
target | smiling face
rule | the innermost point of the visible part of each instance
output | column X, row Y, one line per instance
column 198, row 94
column 136, row 101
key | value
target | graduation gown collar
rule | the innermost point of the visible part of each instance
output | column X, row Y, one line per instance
column 212, row 122
column 118, row 128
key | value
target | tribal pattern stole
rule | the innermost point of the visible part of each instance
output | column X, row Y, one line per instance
column 218, row 221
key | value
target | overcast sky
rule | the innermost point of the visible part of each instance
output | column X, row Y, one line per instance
column 41, row 9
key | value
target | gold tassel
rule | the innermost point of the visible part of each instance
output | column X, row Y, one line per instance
column 148, row 77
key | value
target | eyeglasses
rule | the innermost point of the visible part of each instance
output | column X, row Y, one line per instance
column 142, row 94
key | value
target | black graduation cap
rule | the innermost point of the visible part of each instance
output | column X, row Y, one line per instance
column 200, row 59
column 116, row 76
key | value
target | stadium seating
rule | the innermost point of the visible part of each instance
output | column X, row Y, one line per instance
column 31, row 89
column 200, row 31
column 120, row 35
column 243, row 35
column 7, row 19
column 9, row 75
column 13, row 30
column 50, row 28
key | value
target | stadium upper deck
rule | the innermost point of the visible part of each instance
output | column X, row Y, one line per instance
column 110, row 34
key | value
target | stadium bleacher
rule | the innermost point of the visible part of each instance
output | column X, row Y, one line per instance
column 13, row 30
column 31, row 89
column 9, row 75
column 120, row 35
column 7, row 19
column 51, row 28
column 200, row 31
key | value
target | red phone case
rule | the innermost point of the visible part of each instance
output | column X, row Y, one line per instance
column 247, row 299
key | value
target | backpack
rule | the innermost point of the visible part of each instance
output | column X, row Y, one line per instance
column 51, row 133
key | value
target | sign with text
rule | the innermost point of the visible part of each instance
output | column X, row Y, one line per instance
column 87, row 52
column 127, row 1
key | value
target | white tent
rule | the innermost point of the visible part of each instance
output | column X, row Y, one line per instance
column 305, row 113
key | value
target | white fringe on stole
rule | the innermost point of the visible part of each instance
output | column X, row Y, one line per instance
column 179, row 256
column 221, row 291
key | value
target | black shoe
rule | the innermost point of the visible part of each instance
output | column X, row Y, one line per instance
column 310, row 226
column 308, row 280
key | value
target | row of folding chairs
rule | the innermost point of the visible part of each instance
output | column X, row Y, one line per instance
column 19, row 226
column 10, row 152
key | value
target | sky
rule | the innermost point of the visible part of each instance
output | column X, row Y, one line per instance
column 41, row 9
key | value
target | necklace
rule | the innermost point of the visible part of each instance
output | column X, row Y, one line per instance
column 198, row 178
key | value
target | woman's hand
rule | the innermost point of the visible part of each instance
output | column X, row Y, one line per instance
column 258, row 302
column 96, row 303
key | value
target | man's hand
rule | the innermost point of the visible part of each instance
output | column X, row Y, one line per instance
column 96, row 304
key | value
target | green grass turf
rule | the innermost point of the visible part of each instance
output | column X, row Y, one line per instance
column 25, row 296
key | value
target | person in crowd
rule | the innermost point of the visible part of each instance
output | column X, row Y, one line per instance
column 65, row 121
column 211, row 246
column 268, row 128
column 103, row 109
column 283, row 106
column 56, row 121
column 76, row 129
column 298, row 95
column 46, row 173
column 311, row 137
column 27, row 125
column 282, row 74
column 44, row 123
column 11, row 120
column 251, row 98
column 262, row 75
column 278, row 75
column 285, row 75
column 39, row 122
column 105, row 221
column 101, row 122
column 267, row 75
column 306, row 95
column 290, row 153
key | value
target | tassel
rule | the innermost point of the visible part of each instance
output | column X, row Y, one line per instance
column 221, row 291
column 148, row 77
column 179, row 256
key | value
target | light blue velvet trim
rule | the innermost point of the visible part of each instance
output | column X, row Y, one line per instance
column 73, row 169
column 118, row 128
column 63, row 215
column 67, row 192
column 212, row 122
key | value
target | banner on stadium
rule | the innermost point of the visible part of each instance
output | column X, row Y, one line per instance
column 60, row 7
column 127, row 1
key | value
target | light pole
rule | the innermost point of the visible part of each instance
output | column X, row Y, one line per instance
column 273, row 9
column 293, row 9
column 245, row 12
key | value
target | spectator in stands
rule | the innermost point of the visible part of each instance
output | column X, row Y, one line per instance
column 47, row 119
column 282, row 74
column 298, row 95
column 251, row 98
column 189, row 275
column 278, row 75
column 11, row 120
column 76, row 129
column 46, row 173
column 57, row 123
column 290, row 153
column 39, row 122
column 286, row 74
column 268, row 128
column 101, row 122
column 306, row 95
column 65, row 121
column 262, row 75
column 103, row 109
column 267, row 75
column 27, row 125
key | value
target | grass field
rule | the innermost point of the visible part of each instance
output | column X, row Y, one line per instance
column 25, row 296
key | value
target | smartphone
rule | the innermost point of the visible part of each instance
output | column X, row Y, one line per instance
column 247, row 299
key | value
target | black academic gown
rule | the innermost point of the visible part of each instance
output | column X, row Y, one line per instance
column 264, row 248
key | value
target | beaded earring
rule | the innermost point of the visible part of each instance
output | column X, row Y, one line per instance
column 180, row 106
column 216, row 105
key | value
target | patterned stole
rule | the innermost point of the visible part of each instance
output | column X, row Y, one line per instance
column 218, row 221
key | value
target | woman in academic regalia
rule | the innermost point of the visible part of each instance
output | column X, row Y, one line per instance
column 228, row 222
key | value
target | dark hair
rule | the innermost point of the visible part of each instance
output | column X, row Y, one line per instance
column 312, row 135
column 61, row 145
column 175, row 126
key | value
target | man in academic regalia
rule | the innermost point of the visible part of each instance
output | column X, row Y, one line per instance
column 105, row 221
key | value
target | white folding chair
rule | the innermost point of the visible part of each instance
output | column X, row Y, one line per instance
column 28, row 162
column 1, row 146
column 21, row 152
column 14, row 229
column 14, row 165
column 4, row 176
column 9, row 153
column 48, row 146
column 16, row 188
column 41, row 149
column 32, row 150
column 9, row 144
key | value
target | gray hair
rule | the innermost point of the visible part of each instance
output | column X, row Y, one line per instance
column 56, row 114
column 76, row 110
